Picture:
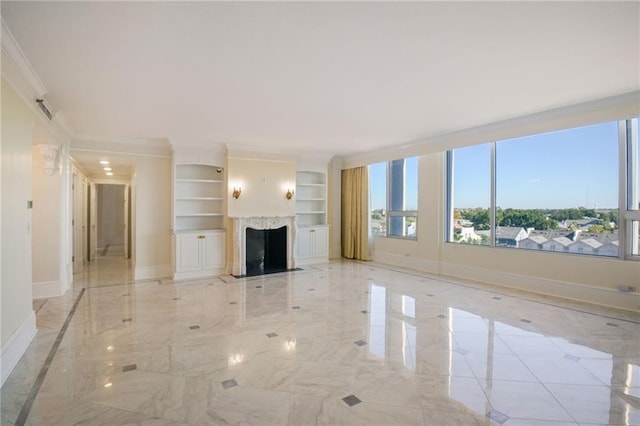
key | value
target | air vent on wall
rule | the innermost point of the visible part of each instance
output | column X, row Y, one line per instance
column 44, row 108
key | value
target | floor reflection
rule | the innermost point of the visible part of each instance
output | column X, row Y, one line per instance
column 341, row 343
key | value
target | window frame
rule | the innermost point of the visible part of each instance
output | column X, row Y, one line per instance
column 629, row 160
column 389, row 213
column 629, row 138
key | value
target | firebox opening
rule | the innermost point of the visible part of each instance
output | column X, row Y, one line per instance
column 266, row 251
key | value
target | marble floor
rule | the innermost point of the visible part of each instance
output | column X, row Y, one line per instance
column 340, row 343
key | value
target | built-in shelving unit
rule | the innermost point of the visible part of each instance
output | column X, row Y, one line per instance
column 199, row 197
column 311, row 198
column 311, row 213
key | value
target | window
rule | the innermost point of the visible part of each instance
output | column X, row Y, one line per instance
column 536, row 191
column 378, row 199
column 470, row 195
column 394, row 198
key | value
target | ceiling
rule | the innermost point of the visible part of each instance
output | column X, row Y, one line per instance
column 120, row 164
column 331, row 77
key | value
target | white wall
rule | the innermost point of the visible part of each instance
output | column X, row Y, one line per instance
column 16, row 310
column 152, row 217
column 264, row 179
column 46, row 229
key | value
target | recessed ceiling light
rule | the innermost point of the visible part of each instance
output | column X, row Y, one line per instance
column 104, row 162
column 109, row 173
column 107, row 169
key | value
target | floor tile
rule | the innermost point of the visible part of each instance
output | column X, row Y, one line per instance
column 427, row 350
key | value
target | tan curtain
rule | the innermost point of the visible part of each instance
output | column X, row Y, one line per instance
column 355, row 213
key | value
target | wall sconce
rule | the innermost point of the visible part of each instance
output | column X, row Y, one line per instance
column 236, row 192
column 289, row 194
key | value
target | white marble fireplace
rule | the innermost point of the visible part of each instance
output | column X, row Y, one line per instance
column 240, row 225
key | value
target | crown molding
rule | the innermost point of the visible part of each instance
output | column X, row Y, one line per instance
column 152, row 147
column 20, row 75
column 19, row 60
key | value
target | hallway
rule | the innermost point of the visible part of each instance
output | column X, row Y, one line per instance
column 108, row 268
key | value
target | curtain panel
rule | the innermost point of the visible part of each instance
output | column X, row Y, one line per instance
column 355, row 213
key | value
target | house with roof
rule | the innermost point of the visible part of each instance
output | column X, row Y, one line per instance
column 585, row 246
column 532, row 242
column 609, row 249
column 557, row 244
column 509, row 236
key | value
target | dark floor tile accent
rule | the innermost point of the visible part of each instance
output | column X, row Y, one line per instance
column 270, row 335
column 194, row 327
column 364, row 312
column 295, row 307
column 228, row 384
column 360, row 342
column 127, row 319
column 497, row 416
column 497, row 298
column 35, row 389
column 461, row 351
column 610, row 324
column 321, row 276
column 525, row 320
column 430, row 295
column 233, row 303
column 176, row 298
column 258, row 286
column 125, row 294
column 572, row 357
column 442, row 316
column 312, row 289
column 129, row 367
column 351, row 400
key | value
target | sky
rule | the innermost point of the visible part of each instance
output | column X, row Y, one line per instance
column 565, row 169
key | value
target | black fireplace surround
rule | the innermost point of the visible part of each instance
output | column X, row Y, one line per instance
column 266, row 251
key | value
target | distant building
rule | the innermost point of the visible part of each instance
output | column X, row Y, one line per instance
column 559, row 243
column 533, row 242
column 509, row 236
column 585, row 246
column 609, row 249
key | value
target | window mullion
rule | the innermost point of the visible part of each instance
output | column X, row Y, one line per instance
column 492, row 207
column 624, row 247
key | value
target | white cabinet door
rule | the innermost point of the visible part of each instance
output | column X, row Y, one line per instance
column 188, row 252
column 304, row 249
column 320, row 241
column 213, row 250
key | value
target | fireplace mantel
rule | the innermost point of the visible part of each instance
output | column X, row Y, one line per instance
column 240, row 225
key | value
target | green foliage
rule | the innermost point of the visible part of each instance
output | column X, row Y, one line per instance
column 377, row 214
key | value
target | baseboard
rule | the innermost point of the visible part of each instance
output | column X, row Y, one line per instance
column 407, row 262
column 548, row 287
column 17, row 345
column 152, row 272
column 198, row 274
column 45, row 289
column 311, row 261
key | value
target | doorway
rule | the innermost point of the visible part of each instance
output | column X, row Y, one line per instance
column 112, row 213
